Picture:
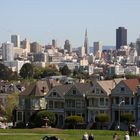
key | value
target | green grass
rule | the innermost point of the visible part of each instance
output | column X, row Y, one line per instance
column 37, row 134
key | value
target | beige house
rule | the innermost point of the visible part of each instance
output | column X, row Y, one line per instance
column 99, row 98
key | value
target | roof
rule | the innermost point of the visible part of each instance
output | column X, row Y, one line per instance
column 39, row 88
column 108, row 85
column 81, row 87
column 132, row 84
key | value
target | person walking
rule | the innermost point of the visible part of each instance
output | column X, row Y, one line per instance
column 126, row 137
column 91, row 137
column 85, row 136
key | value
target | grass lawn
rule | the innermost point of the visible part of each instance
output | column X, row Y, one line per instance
column 37, row 134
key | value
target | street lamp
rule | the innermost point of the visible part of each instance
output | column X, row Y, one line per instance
column 119, row 113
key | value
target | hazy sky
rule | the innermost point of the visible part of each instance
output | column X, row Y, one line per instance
column 44, row 20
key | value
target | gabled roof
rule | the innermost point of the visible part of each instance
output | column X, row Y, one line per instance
column 39, row 88
column 63, row 89
column 132, row 84
column 108, row 85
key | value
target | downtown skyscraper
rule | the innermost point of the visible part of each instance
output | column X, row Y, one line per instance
column 121, row 37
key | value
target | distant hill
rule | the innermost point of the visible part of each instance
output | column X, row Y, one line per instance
column 109, row 47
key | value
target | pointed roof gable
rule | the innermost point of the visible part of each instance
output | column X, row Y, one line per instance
column 39, row 88
column 108, row 85
column 132, row 84
column 63, row 89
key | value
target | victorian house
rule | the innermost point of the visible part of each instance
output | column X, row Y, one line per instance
column 99, row 98
column 31, row 100
column 123, row 98
column 67, row 100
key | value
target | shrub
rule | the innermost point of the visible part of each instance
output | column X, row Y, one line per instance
column 40, row 118
column 72, row 121
column 20, row 125
column 102, row 118
column 127, row 117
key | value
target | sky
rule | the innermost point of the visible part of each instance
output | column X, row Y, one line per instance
column 44, row 20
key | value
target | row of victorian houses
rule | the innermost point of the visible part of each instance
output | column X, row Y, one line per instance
column 84, row 99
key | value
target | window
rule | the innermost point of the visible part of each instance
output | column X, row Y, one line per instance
column 101, row 101
column 127, row 100
column 106, row 101
column 78, row 103
column 19, row 115
column 122, row 89
column 74, row 92
column 117, row 100
column 97, row 90
column 132, row 101
column 54, row 94
column 50, row 104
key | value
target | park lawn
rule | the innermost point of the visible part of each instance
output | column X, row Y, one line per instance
column 37, row 134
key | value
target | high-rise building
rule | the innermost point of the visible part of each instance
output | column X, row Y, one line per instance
column 25, row 44
column 97, row 47
column 86, row 43
column 54, row 43
column 15, row 39
column 7, row 51
column 67, row 46
column 36, row 47
column 138, row 46
column 121, row 37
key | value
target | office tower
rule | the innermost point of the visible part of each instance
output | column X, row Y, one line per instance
column 86, row 43
column 67, row 46
column 97, row 47
column 36, row 47
column 54, row 43
column 15, row 39
column 7, row 51
column 138, row 46
column 121, row 37
column 25, row 44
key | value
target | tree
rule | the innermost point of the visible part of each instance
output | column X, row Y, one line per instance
column 49, row 71
column 72, row 121
column 41, row 117
column 65, row 70
column 12, row 101
column 5, row 72
column 26, row 71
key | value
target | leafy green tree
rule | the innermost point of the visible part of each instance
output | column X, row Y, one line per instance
column 26, row 71
column 72, row 121
column 65, row 70
column 12, row 101
column 5, row 72
column 49, row 71
column 44, row 116
column 37, row 72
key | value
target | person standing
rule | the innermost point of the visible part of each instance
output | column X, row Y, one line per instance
column 126, row 137
column 85, row 136
column 91, row 137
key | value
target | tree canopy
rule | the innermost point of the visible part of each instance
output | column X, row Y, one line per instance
column 26, row 71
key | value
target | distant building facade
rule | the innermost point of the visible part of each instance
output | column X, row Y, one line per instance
column 121, row 37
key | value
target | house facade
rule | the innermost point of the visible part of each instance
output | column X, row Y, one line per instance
column 123, row 98
column 31, row 100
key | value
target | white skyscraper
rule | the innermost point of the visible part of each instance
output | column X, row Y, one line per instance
column 15, row 39
column 7, row 51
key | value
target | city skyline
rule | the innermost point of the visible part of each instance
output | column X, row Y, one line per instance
column 45, row 20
